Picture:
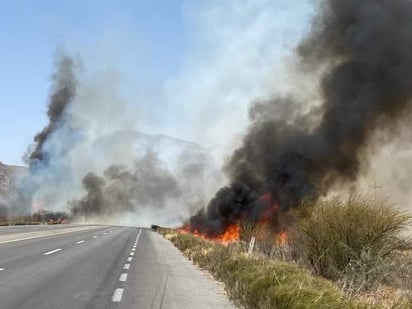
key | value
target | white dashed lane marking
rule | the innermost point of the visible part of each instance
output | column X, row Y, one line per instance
column 95, row 236
column 117, row 295
column 123, row 277
column 80, row 242
column 1, row 269
column 51, row 252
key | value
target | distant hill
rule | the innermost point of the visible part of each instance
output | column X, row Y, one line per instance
column 9, row 176
column 172, row 151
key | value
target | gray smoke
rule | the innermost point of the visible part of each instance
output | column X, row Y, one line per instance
column 125, row 173
column 38, row 156
column 365, row 51
column 121, row 189
column 63, row 90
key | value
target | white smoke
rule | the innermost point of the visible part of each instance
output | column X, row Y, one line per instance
column 240, row 54
column 237, row 54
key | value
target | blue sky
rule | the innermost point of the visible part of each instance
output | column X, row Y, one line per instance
column 32, row 30
column 149, row 40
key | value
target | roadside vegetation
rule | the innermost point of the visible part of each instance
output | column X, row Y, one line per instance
column 337, row 254
column 39, row 217
column 357, row 243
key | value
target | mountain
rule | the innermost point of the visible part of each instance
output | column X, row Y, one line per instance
column 9, row 176
column 174, row 152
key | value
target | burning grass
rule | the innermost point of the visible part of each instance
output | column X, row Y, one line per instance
column 355, row 243
column 231, row 234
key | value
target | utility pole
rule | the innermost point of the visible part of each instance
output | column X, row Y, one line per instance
column 375, row 187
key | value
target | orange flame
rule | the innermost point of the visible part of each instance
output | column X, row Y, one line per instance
column 281, row 238
column 231, row 234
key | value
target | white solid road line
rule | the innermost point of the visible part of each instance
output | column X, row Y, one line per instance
column 126, row 266
column 129, row 259
column 80, row 242
column 117, row 295
column 51, row 252
column 123, row 277
column 34, row 237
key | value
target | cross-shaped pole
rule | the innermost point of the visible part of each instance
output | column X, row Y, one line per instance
column 375, row 187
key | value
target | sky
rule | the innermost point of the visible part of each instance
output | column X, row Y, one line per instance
column 192, row 67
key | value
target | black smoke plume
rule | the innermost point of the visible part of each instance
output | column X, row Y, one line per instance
column 365, row 51
column 63, row 90
column 62, row 93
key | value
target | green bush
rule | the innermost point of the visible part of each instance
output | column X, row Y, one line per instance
column 354, row 239
column 256, row 282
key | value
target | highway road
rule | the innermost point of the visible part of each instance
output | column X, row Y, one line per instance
column 99, row 267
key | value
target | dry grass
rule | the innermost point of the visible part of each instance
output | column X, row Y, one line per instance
column 258, row 282
column 356, row 239
column 358, row 244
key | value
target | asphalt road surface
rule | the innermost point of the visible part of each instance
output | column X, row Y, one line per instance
column 99, row 267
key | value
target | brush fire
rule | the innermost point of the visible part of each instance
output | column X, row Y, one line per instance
column 292, row 150
column 267, row 222
column 357, row 56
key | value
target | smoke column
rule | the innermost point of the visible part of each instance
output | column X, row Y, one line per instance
column 39, row 155
column 63, row 91
column 364, row 49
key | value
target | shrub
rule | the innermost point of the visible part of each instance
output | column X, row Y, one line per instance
column 354, row 239
column 258, row 282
